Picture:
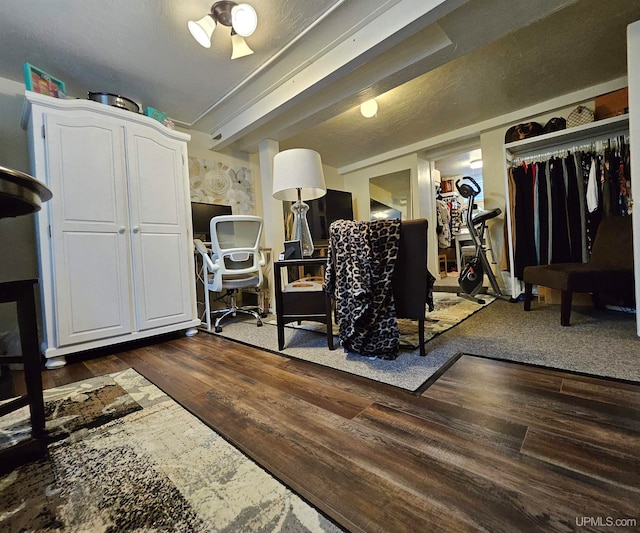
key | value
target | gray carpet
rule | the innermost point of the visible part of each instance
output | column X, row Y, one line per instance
column 599, row 342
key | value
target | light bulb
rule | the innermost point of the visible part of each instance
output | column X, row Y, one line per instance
column 244, row 19
column 202, row 30
column 369, row 109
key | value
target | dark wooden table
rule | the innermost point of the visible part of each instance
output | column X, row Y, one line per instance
column 22, row 293
column 296, row 306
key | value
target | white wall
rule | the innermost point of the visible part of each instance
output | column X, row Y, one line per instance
column 18, row 258
column 16, row 234
column 422, row 199
column 261, row 166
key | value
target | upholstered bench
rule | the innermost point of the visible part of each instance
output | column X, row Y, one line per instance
column 609, row 271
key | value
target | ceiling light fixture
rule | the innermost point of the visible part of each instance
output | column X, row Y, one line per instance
column 241, row 18
column 476, row 163
column 369, row 109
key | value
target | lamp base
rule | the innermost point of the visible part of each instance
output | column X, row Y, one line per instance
column 300, row 231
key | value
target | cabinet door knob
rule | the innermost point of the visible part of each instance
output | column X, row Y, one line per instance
column 136, row 229
column 121, row 230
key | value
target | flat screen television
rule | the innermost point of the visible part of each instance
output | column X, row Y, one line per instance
column 335, row 205
column 201, row 215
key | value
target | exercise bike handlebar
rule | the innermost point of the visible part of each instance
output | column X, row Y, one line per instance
column 466, row 189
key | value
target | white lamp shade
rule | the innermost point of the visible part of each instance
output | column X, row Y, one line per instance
column 244, row 19
column 298, row 168
column 240, row 48
column 202, row 30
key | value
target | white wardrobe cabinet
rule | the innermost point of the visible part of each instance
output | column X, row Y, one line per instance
column 114, row 243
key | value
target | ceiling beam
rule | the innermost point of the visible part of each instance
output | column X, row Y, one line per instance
column 352, row 49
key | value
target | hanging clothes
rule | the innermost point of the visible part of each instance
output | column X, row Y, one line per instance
column 560, row 249
column 544, row 214
column 574, row 222
column 557, row 203
column 523, row 177
column 443, row 227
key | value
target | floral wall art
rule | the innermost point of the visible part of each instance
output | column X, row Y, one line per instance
column 217, row 183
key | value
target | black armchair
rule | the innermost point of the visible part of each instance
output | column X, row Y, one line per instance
column 609, row 271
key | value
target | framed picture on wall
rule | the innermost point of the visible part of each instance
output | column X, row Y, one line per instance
column 39, row 81
column 447, row 186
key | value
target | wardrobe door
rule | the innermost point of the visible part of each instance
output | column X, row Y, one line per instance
column 157, row 182
column 88, row 228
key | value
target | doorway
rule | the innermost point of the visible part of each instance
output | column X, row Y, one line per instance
column 451, row 207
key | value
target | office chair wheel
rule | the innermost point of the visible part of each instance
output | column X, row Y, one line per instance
column 259, row 323
column 263, row 315
column 218, row 329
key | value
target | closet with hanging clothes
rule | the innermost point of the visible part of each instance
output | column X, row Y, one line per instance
column 559, row 187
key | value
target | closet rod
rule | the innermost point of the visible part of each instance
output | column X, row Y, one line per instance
column 598, row 145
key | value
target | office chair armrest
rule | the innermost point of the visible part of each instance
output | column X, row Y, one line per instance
column 262, row 260
column 205, row 255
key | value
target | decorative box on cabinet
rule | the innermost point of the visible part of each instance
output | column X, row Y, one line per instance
column 114, row 244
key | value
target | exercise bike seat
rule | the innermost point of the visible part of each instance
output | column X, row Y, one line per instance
column 483, row 216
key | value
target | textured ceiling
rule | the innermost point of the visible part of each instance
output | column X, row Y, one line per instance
column 142, row 49
column 577, row 47
column 434, row 65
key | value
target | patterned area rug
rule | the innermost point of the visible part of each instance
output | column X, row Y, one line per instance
column 449, row 310
column 124, row 456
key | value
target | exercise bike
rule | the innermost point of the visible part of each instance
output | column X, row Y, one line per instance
column 472, row 275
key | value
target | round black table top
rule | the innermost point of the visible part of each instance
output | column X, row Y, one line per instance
column 20, row 194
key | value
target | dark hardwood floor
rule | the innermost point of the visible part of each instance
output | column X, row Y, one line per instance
column 491, row 445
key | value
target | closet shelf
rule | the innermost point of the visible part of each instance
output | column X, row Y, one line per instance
column 559, row 140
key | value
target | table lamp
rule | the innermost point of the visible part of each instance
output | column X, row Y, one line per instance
column 298, row 176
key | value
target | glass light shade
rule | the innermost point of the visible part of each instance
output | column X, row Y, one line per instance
column 202, row 30
column 240, row 48
column 476, row 163
column 244, row 19
column 369, row 109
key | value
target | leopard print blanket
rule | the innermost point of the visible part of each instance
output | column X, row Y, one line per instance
column 358, row 276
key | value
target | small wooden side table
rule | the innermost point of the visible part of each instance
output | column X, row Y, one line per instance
column 301, row 305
